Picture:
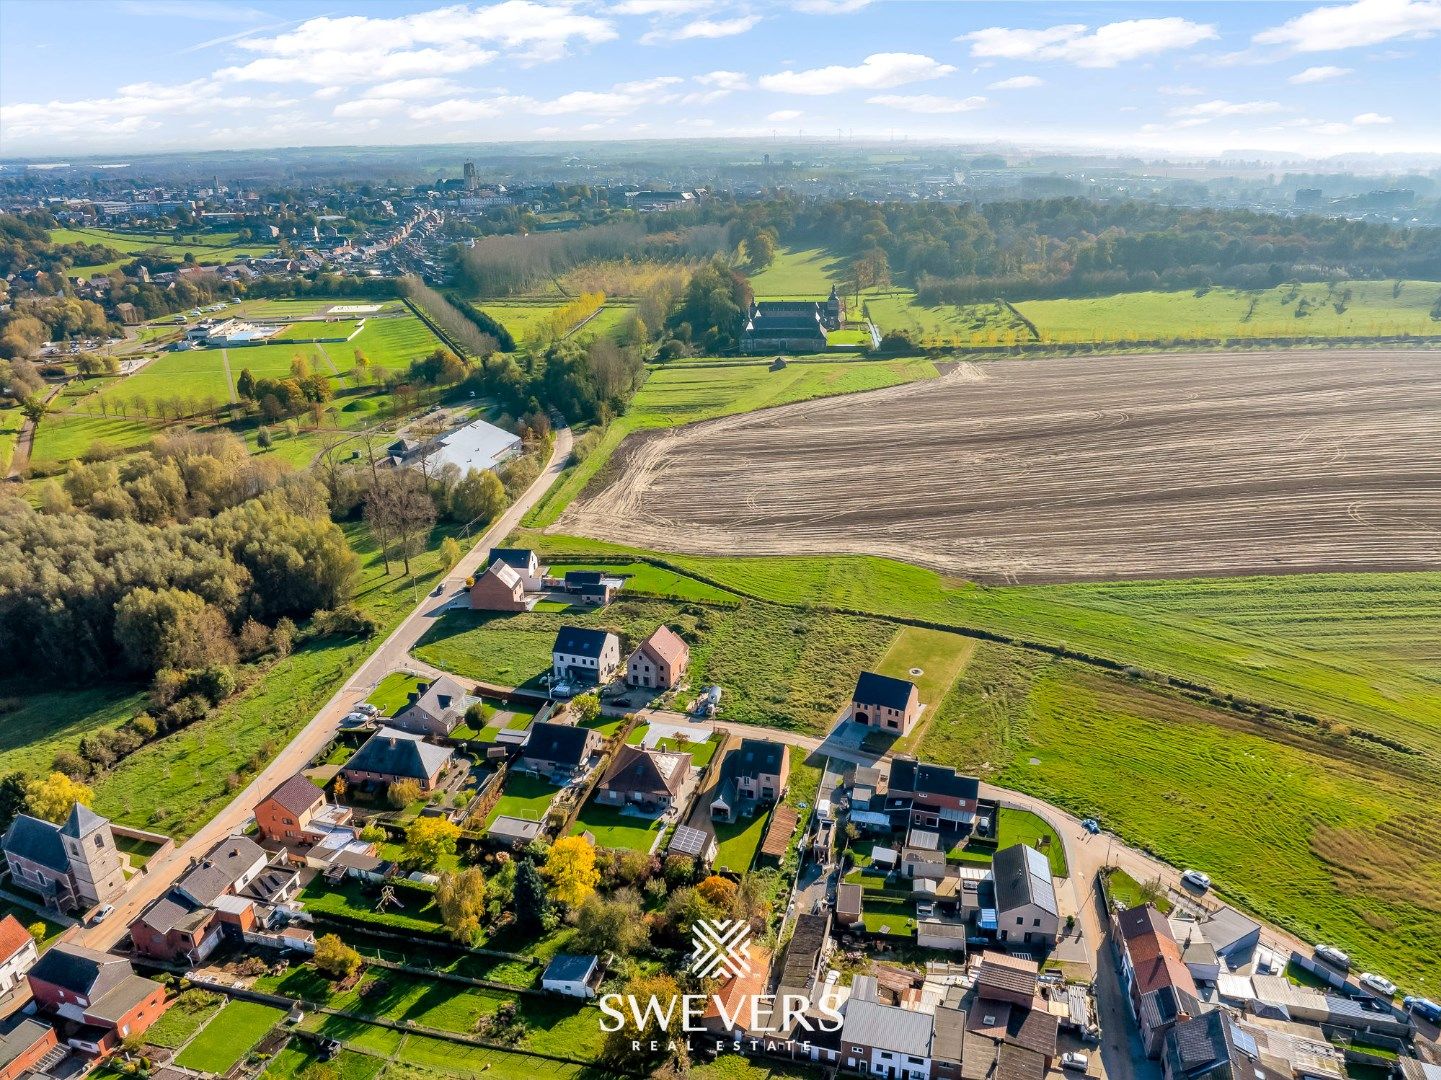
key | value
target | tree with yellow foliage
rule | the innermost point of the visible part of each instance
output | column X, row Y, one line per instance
column 55, row 796
column 570, row 869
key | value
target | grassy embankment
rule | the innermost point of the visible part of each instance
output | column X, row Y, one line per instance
column 208, row 248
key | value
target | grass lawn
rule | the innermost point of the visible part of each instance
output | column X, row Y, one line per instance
column 737, row 1067
column 940, row 656
column 311, row 329
column 1368, row 309
column 1127, row 891
column 738, row 842
column 807, row 273
column 35, row 724
column 352, row 900
column 681, row 393
column 605, row 725
column 612, row 829
column 1023, row 827
column 393, row 692
column 700, row 750
column 528, row 320
column 523, row 797
column 229, row 1037
column 184, row 1017
column 956, row 325
column 139, row 851
column 300, row 1060
column 652, row 580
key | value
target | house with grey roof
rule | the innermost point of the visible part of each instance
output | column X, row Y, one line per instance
column 436, row 710
column 754, row 774
column 559, row 752
column 885, row 703
column 390, row 755
column 1025, row 897
column 73, row 865
column 884, row 1040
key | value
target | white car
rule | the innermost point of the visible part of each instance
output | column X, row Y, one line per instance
column 368, row 709
column 1075, row 1060
column 1197, row 879
column 1378, row 984
column 101, row 914
column 1333, row 956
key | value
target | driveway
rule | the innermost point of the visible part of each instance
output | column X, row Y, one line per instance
column 393, row 654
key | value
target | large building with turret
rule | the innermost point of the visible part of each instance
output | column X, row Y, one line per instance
column 791, row 325
column 71, row 866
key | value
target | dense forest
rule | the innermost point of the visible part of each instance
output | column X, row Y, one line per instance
column 1073, row 247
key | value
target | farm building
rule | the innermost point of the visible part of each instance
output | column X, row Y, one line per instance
column 478, row 445
column 791, row 325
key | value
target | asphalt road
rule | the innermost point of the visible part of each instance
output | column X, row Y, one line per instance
column 393, row 654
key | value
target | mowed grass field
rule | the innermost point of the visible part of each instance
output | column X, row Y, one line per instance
column 523, row 318
column 208, row 248
column 1372, row 309
column 799, row 273
column 683, row 393
column 198, row 378
column 1333, row 843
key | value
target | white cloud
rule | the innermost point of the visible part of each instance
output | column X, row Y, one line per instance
column 830, row 7
column 659, row 7
column 927, row 103
column 1365, row 22
column 457, row 110
column 134, row 108
column 1318, row 74
column 1369, row 118
column 359, row 49
column 1104, row 47
column 703, row 29
column 620, row 99
column 879, row 71
column 368, row 106
column 325, row 93
column 1182, row 90
column 1017, row 82
column 412, row 88
column 781, row 115
column 725, row 80
column 1210, row 110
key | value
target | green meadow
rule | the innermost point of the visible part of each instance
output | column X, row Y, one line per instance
column 206, row 247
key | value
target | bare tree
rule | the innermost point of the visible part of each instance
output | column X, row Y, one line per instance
column 400, row 511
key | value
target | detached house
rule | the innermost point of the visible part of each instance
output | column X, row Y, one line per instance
column 885, row 704
column 659, row 662
column 559, row 752
column 523, row 561
column 94, row 999
column 390, row 755
column 650, row 779
column 500, row 588
column 756, row 772
column 1026, row 910
column 287, row 813
column 436, row 710
column 74, row 865
column 584, row 657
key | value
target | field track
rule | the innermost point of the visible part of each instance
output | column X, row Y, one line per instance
column 1173, row 465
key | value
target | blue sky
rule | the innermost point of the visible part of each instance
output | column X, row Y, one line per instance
column 105, row 76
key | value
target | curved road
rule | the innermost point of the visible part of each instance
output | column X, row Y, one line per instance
column 161, row 872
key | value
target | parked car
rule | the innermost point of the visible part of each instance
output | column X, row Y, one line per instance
column 1425, row 1006
column 1196, row 879
column 368, row 709
column 1378, row 984
column 1091, row 825
column 1075, row 1060
column 101, row 914
column 1333, row 956
column 356, row 717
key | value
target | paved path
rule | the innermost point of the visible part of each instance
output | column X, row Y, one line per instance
column 25, row 441
column 393, row 654
column 329, row 362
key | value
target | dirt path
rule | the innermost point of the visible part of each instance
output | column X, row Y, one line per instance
column 25, row 441
column 229, row 382
column 328, row 361
column 580, row 325
column 1084, row 468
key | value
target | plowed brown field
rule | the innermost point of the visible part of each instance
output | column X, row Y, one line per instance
column 1043, row 470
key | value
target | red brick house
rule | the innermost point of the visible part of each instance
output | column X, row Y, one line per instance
column 500, row 588
column 659, row 662
column 884, row 703
column 94, row 999
column 23, row 1044
column 288, row 813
